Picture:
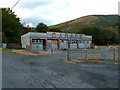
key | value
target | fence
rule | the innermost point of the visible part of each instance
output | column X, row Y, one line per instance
column 108, row 54
column 36, row 49
column 103, row 53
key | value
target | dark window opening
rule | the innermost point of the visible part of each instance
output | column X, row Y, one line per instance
column 33, row 40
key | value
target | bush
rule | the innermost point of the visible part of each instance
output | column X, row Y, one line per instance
column 14, row 46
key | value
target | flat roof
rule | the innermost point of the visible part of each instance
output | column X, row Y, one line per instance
column 56, row 35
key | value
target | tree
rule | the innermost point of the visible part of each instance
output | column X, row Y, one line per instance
column 54, row 30
column 102, row 36
column 28, row 29
column 41, row 27
column 11, row 27
column 94, row 31
column 108, row 36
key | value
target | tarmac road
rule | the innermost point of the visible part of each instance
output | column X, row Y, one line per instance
column 21, row 71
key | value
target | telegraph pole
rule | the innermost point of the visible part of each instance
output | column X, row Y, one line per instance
column 15, row 4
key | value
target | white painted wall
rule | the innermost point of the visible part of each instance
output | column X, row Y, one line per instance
column 25, row 40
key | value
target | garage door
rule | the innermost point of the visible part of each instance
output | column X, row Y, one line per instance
column 73, row 44
column 88, row 44
column 38, row 46
column 81, row 44
column 54, row 44
column 63, row 44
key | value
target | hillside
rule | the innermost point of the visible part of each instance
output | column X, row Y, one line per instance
column 101, row 21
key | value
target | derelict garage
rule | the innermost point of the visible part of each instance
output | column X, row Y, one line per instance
column 56, row 40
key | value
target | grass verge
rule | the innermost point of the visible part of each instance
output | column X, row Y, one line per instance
column 5, row 50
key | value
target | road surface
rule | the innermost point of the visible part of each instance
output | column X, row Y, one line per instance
column 21, row 71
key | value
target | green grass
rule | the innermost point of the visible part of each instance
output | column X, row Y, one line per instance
column 76, row 25
column 5, row 49
column 0, row 49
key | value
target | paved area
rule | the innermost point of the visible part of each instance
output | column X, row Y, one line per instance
column 21, row 71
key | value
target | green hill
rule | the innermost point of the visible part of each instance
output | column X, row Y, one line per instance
column 100, row 21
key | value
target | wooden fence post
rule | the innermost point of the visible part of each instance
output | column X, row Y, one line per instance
column 86, row 54
column 68, row 54
column 114, row 54
column 118, row 54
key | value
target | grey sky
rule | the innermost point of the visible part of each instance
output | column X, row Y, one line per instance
column 54, row 12
column 34, row 4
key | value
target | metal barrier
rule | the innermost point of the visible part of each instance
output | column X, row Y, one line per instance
column 36, row 49
column 118, row 54
column 104, row 53
column 109, row 54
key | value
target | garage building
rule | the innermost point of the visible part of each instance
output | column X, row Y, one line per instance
column 56, row 40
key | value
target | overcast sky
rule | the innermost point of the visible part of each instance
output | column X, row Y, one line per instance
column 53, row 12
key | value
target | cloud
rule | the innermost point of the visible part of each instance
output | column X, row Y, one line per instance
column 34, row 3
column 119, row 7
column 33, row 21
column 28, row 24
column 58, row 11
column 7, row 3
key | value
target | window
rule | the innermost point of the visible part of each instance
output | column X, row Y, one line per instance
column 87, row 41
column 80, row 41
column 33, row 41
column 73, row 41
column 40, row 41
column 62, row 41
column 36, row 41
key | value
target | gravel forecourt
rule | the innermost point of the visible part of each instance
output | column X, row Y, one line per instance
column 22, row 71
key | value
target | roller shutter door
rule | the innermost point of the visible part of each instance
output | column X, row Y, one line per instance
column 54, row 44
column 38, row 46
column 73, row 44
column 63, row 44
column 81, row 44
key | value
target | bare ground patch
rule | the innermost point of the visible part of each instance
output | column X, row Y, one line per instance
column 88, row 61
column 25, row 52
